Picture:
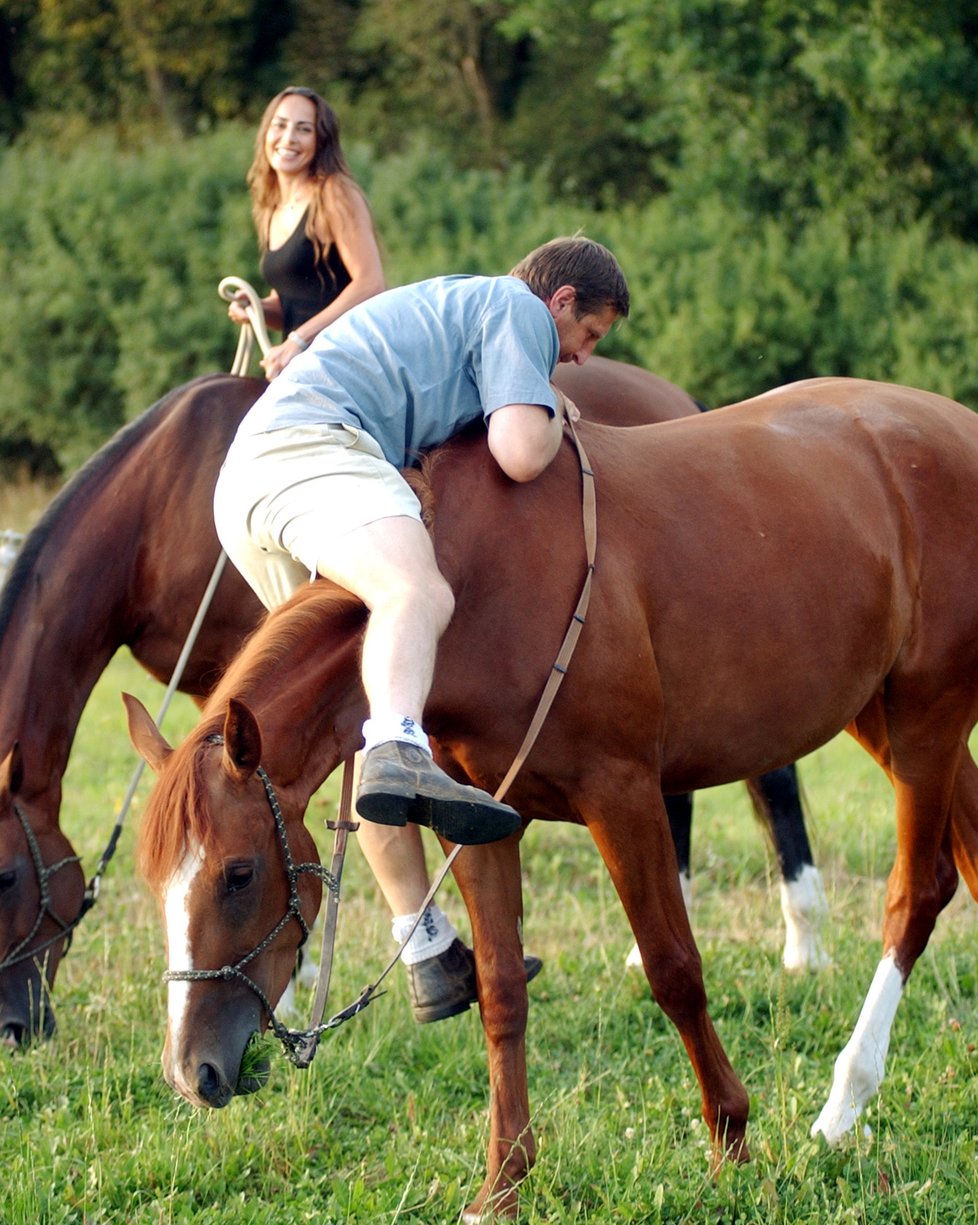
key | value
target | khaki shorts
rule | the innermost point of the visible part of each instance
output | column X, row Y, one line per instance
column 281, row 495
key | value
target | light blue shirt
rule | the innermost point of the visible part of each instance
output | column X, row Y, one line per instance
column 414, row 365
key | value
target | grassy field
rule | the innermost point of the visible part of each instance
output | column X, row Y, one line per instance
column 389, row 1124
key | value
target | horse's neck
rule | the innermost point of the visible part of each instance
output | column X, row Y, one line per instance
column 54, row 645
column 308, row 698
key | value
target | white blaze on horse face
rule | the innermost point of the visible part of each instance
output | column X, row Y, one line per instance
column 176, row 916
column 859, row 1068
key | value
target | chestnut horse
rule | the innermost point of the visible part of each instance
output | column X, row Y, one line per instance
column 121, row 558
column 821, row 579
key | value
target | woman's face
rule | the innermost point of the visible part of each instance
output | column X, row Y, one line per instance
column 290, row 142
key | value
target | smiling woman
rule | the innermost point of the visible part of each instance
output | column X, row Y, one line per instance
column 319, row 248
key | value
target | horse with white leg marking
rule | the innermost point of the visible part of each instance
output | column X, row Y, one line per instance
column 720, row 643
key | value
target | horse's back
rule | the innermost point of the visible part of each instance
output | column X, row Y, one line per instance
column 768, row 564
column 802, row 544
column 617, row 393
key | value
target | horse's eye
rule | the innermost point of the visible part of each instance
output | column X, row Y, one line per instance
column 8, row 879
column 238, row 876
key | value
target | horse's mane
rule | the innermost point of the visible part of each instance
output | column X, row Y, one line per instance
column 177, row 812
column 267, row 648
column 421, row 479
column 86, row 480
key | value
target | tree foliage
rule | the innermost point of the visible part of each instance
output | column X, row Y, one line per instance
column 129, row 64
column 789, row 188
column 785, row 109
column 790, row 108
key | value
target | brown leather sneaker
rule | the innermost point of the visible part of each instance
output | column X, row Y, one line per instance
column 444, row 986
column 400, row 782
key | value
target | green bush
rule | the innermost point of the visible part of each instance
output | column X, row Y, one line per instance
column 110, row 294
column 728, row 308
column 114, row 299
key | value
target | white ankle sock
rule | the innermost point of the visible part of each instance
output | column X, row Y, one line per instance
column 394, row 727
column 432, row 936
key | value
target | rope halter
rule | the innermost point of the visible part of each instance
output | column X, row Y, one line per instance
column 292, row 1040
column 23, row 950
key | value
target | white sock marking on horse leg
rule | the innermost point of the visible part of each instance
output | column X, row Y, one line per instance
column 176, row 916
column 859, row 1067
column 804, row 908
column 634, row 959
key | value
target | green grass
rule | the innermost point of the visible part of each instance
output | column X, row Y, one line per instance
column 389, row 1123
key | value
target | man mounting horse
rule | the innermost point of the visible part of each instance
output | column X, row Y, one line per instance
column 312, row 485
column 116, row 537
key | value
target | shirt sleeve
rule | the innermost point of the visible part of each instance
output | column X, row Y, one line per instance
column 515, row 354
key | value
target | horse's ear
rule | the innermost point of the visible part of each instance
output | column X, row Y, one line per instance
column 12, row 770
column 146, row 737
column 242, row 740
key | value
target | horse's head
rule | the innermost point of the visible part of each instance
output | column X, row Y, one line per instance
column 41, row 892
column 221, row 856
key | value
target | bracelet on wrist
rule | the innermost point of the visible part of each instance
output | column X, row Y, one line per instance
column 297, row 340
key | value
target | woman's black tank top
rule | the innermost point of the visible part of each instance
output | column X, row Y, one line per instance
column 304, row 287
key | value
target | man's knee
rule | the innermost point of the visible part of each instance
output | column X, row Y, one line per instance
column 426, row 592
column 442, row 600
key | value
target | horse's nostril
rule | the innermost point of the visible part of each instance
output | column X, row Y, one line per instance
column 208, row 1082
column 13, row 1034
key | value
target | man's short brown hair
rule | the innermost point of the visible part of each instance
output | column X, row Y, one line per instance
column 583, row 263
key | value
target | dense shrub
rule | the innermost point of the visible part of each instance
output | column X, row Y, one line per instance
column 113, row 298
column 728, row 307
column 110, row 289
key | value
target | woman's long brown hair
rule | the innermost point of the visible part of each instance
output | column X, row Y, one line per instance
column 328, row 162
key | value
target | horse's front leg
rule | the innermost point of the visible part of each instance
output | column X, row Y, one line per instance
column 489, row 880
column 627, row 819
column 679, row 810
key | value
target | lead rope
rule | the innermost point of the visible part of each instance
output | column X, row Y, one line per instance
column 302, row 1055
column 229, row 289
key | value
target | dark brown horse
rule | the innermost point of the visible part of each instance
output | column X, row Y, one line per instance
column 821, row 578
column 121, row 558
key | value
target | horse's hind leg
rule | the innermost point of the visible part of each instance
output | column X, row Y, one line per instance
column 870, row 731
column 637, row 848
column 920, row 885
column 777, row 803
column 679, row 811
